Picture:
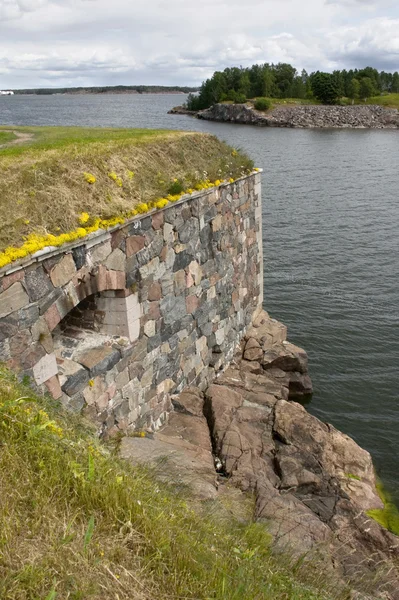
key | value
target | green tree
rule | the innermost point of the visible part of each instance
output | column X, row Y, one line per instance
column 354, row 90
column 395, row 83
column 324, row 87
column 367, row 88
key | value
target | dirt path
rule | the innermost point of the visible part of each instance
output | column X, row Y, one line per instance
column 21, row 138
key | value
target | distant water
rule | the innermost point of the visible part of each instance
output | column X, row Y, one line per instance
column 331, row 242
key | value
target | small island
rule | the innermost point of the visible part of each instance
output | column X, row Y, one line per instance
column 277, row 96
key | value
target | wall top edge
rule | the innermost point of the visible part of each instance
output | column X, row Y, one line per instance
column 102, row 235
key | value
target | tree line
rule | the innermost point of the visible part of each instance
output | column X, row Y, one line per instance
column 116, row 89
column 237, row 84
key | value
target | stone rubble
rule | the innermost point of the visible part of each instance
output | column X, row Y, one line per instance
column 306, row 116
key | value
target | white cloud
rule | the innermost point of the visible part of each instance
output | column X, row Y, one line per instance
column 182, row 41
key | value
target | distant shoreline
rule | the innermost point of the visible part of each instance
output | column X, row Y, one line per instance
column 138, row 90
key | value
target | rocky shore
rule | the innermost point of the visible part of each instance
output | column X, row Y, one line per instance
column 312, row 484
column 307, row 116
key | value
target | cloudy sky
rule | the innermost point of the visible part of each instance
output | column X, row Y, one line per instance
column 51, row 43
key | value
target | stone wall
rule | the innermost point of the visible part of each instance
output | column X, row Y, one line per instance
column 116, row 323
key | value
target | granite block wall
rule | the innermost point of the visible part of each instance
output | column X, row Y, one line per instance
column 116, row 323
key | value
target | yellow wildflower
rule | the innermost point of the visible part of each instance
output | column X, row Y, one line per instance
column 142, row 208
column 89, row 178
column 234, row 152
column 83, row 218
column 115, row 178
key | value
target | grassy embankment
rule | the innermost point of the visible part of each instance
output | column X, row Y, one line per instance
column 77, row 523
column 50, row 180
column 388, row 101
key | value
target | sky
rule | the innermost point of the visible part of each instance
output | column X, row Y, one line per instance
column 65, row 43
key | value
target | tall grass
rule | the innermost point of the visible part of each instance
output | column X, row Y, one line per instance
column 63, row 172
column 77, row 523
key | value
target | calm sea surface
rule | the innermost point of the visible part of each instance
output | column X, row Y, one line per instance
column 331, row 243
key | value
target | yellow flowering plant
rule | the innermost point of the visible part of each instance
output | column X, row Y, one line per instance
column 35, row 242
column 89, row 178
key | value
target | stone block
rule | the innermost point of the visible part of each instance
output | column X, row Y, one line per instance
column 99, row 360
column 192, row 303
column 20, row 342
column 53, row 387
column 98, row 254
column 49, row 299
column 157, row 220
column 9, row 280
column 94, row 390
column 37, row 284
column 8, row 328
column 28, row 316
column 168, row 234
column 154, row 291
column 63, row 272
column 45, row 369
column 134, row 244
column 116, row 261
column 179, row 282
column 173, row 308
column 79, row 256
column 122, row 379
column 182, row 260
column 150, row 328
column 196, row 271
column 52, row 317
column 12, row 299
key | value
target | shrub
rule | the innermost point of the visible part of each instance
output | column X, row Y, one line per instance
column 263, row 104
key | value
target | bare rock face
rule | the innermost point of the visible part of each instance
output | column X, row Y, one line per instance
column 266, row 343
column 181, row 453
column 312, row 483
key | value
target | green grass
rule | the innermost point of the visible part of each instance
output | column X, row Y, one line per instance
column 47, row 138
column 388, row 516
column 6, row 136
column 44, row 188
column 389, row 101
column 78, row 523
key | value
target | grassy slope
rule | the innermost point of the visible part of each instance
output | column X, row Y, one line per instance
column 77, row 523
column 43, row 188
column 389, row 101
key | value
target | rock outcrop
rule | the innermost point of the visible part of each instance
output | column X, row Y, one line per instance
column 312, row 483
column 306, row 116
column 181, row 110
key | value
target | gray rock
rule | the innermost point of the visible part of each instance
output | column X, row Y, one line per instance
column 76, row 382
column 37, row 284
column 173, row 308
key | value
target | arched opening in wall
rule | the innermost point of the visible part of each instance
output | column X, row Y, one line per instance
column 89, row 343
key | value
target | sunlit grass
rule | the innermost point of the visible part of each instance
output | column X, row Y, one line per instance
column 78, row 523
column 48, row 181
